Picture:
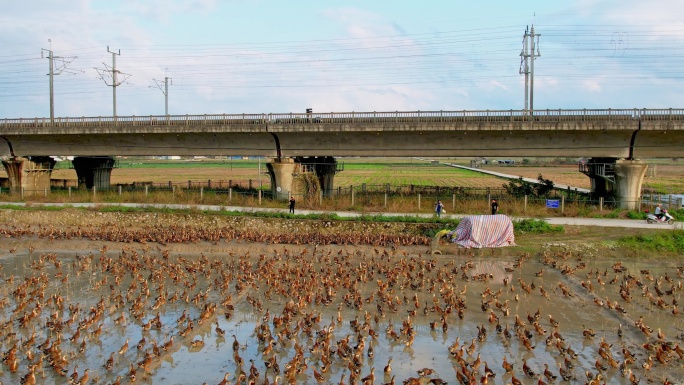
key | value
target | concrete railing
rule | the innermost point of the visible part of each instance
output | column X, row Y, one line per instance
column 558, row 115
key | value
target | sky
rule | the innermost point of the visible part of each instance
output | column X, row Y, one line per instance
column 260, row 56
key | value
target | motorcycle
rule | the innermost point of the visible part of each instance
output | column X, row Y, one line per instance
column 665, row 218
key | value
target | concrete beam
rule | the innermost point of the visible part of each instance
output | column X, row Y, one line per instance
column 575, row 143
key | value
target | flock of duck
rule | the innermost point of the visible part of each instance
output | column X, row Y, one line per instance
column 335, row 314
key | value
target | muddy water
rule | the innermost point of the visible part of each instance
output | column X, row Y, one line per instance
column 253, row 284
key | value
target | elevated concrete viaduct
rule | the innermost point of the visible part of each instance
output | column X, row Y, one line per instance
column 618, row 138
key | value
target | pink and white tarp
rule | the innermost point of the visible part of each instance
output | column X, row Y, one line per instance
column 478, row 231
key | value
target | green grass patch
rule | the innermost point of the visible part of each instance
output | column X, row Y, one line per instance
column 33, row 207
column 535, row 226
column 636, row 215
column 120, row 209
column 664, row 241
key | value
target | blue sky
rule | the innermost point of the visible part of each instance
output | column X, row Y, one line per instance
column 247, row 56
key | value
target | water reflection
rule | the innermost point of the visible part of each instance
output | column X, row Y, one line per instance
column 321, row 309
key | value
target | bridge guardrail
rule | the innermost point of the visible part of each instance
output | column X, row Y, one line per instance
column 558, row 115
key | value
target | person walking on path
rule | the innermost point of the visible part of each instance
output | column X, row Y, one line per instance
column 292, row 205
column 439, row 208
column 495, row 207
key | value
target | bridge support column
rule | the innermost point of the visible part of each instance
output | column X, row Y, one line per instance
column 325, row 169
column 629, row 175
column 302, row 176
column 31, row 174
column 93, row 171
column 281, row 171
column 601, row 175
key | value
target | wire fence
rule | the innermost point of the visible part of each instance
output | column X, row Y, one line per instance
column 365, row 197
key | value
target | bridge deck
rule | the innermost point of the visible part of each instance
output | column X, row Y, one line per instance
column 581, row 133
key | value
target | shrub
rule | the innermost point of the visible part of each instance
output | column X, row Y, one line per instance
column 535, row 226
column 520, row 187
column 636, row 215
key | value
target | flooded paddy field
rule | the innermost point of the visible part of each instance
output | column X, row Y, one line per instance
column 102, row 312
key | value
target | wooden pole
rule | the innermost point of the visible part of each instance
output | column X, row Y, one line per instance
column 562, row 204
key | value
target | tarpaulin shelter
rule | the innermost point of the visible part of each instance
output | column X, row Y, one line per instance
column 478, row 231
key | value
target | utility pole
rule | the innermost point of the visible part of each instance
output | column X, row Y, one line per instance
column 51, row 73
column 529, row 51
column 113, row 72
column 114, row 83
column 165, row 91
column 525, row 68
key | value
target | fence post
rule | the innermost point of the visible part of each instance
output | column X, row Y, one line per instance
column 453, row 202
column 385, row 199
column 259, row 197
column 352, row 194
column 69, row 191
column 202, row 193
column 173, row 191
column 45, row 192
column 525, row 206
column 120, row 190
column 320, row 198
column 562, row 204
column 600, row 204
column 22, row 193
column 94, row 192
column 230, row 194
column 418, row 201
column 146, row 189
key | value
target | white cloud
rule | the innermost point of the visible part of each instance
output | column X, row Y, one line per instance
column 592, row 85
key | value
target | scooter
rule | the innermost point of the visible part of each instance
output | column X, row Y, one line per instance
column 666, row 218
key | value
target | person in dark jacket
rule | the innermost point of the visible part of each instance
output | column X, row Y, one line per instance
column 495, row 206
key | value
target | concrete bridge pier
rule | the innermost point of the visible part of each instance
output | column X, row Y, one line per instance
column 93, row 171
column 601, row 173
column 619, row 178
column 281, row 171
column 629, row 176
column 323, row 168
column 30, row 174
column 302, row 176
